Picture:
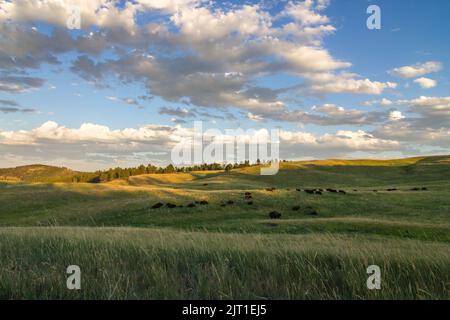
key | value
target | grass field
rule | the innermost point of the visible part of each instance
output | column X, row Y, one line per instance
column 127, row 250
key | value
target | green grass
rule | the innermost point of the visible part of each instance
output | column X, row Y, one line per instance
column 124, row 263
column 234, row 251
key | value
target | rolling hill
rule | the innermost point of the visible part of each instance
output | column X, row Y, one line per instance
column 207, row 241
column 37, row 173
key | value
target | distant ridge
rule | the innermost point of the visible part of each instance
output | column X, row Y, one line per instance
column 50, row 174
column 37, row 173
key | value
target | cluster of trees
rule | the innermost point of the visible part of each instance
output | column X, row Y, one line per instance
column 125, row 173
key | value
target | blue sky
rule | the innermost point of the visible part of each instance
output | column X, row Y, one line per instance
column 140, row 73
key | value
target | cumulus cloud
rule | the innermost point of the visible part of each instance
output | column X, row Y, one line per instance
column 426, row 83
column 429, row 126
column 383, row 102
column 101, row 13
column 254, row 117
column 339, row 144
column 396, row 115
column 102, row 145
column 220, row 51
column 209, row 57
column 434, row 112
column 22, row 47
column 355, row 86
column 417, row 70
column 408, row 132
column 305, row 12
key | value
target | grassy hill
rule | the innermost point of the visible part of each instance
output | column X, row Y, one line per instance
column 37, row 173
column 394, row 213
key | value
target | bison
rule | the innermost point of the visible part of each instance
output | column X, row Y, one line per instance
column 275, row 215
column 157, row 205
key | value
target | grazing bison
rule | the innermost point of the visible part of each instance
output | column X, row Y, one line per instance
column 275, row 215
column 203, row 203
column 299, row 190
column 230, row 202
column 250, row 203
column 296, row 208
column 191, row 205
column 390, row 190
column 415, row 189
column 332, row 190
column 319, row 193
column 342, row 192
column 311, row 211
column 309, row 191
column 157, row 205
column 425, row 189
column 248, row 197
column 171, row 205
column 248, row 193
column 271, row 189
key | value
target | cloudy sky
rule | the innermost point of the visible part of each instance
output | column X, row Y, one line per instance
column 126, row 87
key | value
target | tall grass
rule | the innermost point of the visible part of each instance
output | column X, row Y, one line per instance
column 127, row 263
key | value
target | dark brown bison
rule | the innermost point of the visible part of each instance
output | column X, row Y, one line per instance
column 275, row 215
column 157, row 205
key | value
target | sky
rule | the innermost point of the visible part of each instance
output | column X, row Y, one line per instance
column 125, row 86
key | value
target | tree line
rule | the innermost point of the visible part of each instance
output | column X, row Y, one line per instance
column 125, row 173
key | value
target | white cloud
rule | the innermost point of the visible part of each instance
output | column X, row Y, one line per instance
column 96, row 144
column 341, row 140
column 220, row 51
column 436, row 103
column 417, row 70
column 51, row 132
column 255, row 118
column 305, row 12
column 409, row 132
column 101, row 13
column 309, row 59
column 396, row 115
column 383, row 102
column 200, row 24
column 426, row 83
column 344, row 83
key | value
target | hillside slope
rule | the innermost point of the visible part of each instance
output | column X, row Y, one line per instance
column 198, row 236
column 37, row 173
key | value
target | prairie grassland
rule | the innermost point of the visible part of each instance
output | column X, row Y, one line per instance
column 127, row 263
column 126, row 249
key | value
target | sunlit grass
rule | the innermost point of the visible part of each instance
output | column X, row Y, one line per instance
column 128, row 250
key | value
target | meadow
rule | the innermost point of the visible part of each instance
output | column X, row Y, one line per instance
column 228, row 248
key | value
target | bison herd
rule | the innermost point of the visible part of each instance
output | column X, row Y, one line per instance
column 248, row 198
